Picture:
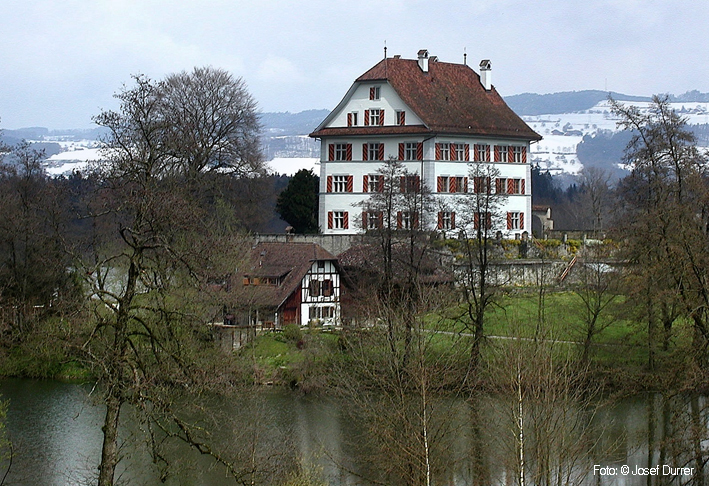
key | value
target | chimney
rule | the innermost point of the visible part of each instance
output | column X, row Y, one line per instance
column 486, row 74
column 423, row 60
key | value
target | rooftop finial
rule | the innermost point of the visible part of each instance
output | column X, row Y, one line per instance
column 385, row 49
column 465, row 56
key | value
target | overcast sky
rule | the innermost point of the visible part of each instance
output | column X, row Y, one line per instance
column 61, row 62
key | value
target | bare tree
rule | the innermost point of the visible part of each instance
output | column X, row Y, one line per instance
column 480, row 220
column 667, row 211
column 149, row 259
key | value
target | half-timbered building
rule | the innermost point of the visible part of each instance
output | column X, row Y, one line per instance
column 292, row 283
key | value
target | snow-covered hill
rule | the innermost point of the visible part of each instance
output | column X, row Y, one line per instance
column 563, row 132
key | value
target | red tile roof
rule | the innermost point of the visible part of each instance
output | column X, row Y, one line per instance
column 449, row 99
column 288, row 261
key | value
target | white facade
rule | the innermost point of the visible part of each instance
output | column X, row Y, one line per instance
column 373, row 124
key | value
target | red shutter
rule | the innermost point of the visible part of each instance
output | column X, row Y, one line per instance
column 365, row 151
column 509, row 221
column 329, row 184
column 380, row 183
column 476, row 155
column 476, row 220
column 399, row 220
column 419, row 151
column 488, row 220
column 401, row 151
column 330, row 219
column 349, row 151
column 510, row 186
column 416, row 220
column 439, row 184
column 345, row 220
column 365, row 183
column 366, row 118
column 402, row 184
column 438, row 151
column 467, row 152
column 331, row 151
column 524, row 155
column 465, row 184
column 350, row 183
column 453, row 153
column 349, row 119
column 453, row 185
column 510, row 153
column 499, row 186
column 402, row 118
column 380, row 220
column 381, row 118
column 371, row 93
column 522, row 185
column 521, row 220
column 452, row 220
column 364, row 220
column 497, row 153
column 487, row 153
column 381, row 151
column 440, row 220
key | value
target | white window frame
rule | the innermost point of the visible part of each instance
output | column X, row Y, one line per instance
column 517, row 154
column 483, row 154
column 373, row 151
column 373, row 220
column 339, row 183
column 377, row 93
column 338, row 220
column 354, row 118
column 459, row 151
column 399, row 115
column 411, row 150
column 514, row 220
column 375, row 116
column 340, row 151
column 447, row 220
column 373, row 182
column 445, row 151
column 504, row 151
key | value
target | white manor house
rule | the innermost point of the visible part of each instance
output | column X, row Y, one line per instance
column 439, row 119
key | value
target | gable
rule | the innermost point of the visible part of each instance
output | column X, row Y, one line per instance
column 357, row 100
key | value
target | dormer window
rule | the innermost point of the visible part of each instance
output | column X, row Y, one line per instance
column 400, row 118
column 374, row 93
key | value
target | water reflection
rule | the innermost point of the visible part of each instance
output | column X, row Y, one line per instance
column 56, row 431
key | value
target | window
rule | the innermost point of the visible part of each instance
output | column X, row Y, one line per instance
column 376, row 117
column 481, row 185
column 337, row 220
column 485, row 217
column 459, row 151
column 452, row 184
column 342, row 150
column 375, row 92
column 519, row 154
column 339, row 183
column 339, row 151
column 515, row 221
column 314, row 288
column 411, row 151
column 410, row 184
column 446, row 220
column 321, row 312
column 407, row 220
column 373, row 151
column 352, row 119
column 373, row 183
column 502, row 153
column 372, row 220
column 401, row 118
column 482, row 152
column 443, row 151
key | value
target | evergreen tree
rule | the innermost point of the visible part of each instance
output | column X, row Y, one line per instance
column 298, row 203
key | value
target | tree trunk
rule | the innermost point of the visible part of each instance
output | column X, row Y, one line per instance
column 109, row 451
